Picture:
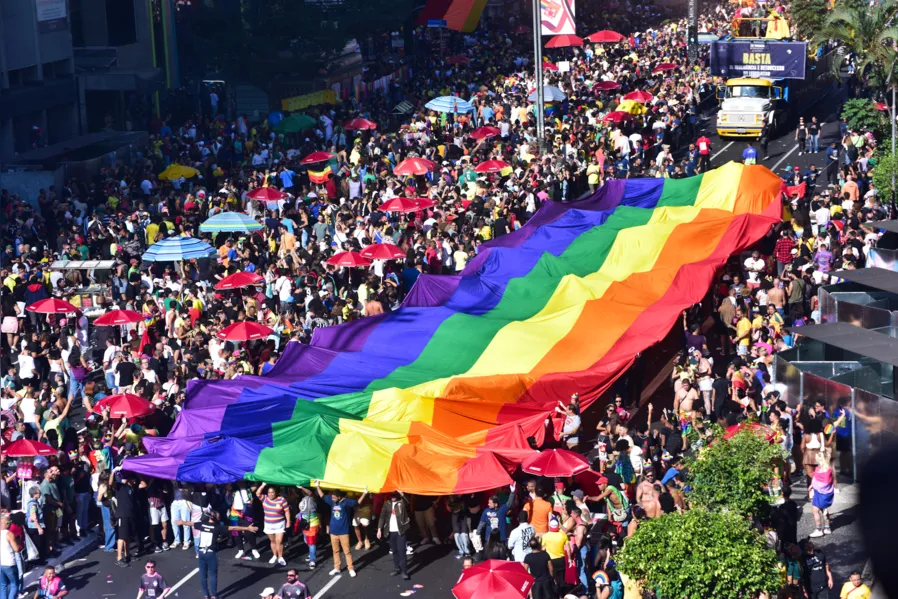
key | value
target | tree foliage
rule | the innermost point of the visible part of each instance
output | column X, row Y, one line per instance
column 867, row 33
column 808, row 17
column 700, row 554
column 731, row 474
column 886, row 164
column 861, row 114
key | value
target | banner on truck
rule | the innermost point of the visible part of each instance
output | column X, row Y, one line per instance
column 773, row 60
column 557, row 17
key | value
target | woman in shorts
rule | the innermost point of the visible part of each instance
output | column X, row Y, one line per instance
column 276, row 512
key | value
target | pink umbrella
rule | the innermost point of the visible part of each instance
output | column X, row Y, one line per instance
column 550, row 66
column 267, row 194
column 664, row 66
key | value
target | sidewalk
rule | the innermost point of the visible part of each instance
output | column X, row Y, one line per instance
column 844, row 548
column 83, row 546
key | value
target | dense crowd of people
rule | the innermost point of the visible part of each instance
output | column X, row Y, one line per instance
column 564, row 531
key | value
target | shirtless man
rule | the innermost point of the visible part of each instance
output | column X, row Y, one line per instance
column 704, row 378
column 685, row 397
column 647, row 497
column 777, row 296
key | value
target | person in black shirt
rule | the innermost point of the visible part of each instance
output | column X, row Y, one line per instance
column 125, row 370
column 125, row 511
column 818, row 579
column 212, row 534
column 539, row 565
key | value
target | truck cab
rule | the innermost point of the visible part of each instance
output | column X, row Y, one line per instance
column 746, row 104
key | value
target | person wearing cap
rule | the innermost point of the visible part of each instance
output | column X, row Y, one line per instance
column 268, row 593
column 554, row 543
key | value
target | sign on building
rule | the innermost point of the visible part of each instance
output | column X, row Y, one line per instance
column 557, row 17
column 51, row 15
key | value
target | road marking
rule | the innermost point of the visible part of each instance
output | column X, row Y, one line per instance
column 326, row 587
column 181, row 582
column 722, row 150
column 783, row 159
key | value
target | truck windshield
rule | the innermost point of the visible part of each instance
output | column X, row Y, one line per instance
column 748, row 91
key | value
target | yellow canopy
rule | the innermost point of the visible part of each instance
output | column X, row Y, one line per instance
column 632, row 107
column 178, row 171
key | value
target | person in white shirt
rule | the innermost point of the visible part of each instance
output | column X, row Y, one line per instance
column 754, row 266
column 519, row 539
column 26, row 366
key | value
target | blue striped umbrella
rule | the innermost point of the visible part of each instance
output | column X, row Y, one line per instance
column 231, row 222
column 178, row 248
column 450, row 104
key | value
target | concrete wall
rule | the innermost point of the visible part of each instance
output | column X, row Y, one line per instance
column 24, row 46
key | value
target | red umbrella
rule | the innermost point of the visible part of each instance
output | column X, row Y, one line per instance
column 664, row 66
column 639, row 96
column 606, row 86
column 360, row 124
column 51, row 305
column 244, row 331
column 316, row 157
column 760, row 430
column 239, row 279
column 267, row 194
column 605, row 36
column 564, row 41
column 550, row 66
column 617, row 116
column 414, row 166
column 424, row 203
column 491, row 166
column 124, row 405
column 118, row 317
column 349, row 260
column 485, row 132
column 520, row 29
column 494, row 579
column 458, row 60
column 27, row 448
column 555, row 462
column 880, row 106
column 383, row 251
column 401, row 205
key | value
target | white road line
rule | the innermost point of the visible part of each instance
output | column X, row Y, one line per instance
column 181, row 582
column 722, row 150
column 326, row 587
column 783, row 159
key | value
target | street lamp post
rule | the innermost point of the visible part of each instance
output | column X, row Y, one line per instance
column 538, row 77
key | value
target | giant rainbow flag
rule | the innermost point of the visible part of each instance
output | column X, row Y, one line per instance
column 460, row 15
column 441, row 395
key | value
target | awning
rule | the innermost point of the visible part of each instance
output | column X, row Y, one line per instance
column 849, row 337
column 82, row 264
column 886, row 225
column 877, row 278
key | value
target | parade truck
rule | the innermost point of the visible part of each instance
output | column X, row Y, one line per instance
column 746, row 103
column 762, row 80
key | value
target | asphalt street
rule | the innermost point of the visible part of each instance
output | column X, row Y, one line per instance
column 434, row 568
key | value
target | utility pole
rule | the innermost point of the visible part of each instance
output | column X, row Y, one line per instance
column 538, row 66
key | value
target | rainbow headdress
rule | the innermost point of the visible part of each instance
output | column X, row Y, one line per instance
column 441, row 395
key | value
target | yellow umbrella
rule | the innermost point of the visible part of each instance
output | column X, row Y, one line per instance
column 178, row 171
column 632, row 107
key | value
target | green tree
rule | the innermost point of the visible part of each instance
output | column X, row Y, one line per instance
column 808, row 17
column 886, row 164
column 867, row 33
column 731, row 474
column 861, row 114
column 700, row 554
